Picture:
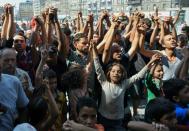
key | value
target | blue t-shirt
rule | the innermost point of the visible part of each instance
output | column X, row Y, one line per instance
column 181, row 115
column 12, row 97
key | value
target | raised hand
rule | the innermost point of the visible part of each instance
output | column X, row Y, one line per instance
column 80, row 14
column 90, row 19
column 44, row 55
column 10, row 9
column 155, row 57
column 6, row 9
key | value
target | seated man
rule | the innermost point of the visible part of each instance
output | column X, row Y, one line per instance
column 87, row 117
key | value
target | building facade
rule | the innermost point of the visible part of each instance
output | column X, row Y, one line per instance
column 78, row 5
column 38, row 6
column 26, row 10
column 150, row 5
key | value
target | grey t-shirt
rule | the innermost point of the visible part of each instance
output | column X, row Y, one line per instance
column 171, row 69
column 12, row 97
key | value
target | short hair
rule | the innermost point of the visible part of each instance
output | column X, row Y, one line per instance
column 172, row 87
column 79, row 35
column 157, row 108
column 85, row 101
column 182, row 38
column 8, row 49
column 49, row 73
column 148, row 22
column 185, row 29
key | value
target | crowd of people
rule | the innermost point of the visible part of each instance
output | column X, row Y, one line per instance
column 79, row 76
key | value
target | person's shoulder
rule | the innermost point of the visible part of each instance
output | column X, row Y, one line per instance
column 11, row 80
column 21, row 71
column 9, row 77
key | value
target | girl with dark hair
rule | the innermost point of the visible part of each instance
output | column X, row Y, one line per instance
column 153, row 81
column 75, row 82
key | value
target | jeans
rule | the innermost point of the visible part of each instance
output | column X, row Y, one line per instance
column 111, row 125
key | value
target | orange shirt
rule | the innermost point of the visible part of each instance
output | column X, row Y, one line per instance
column 99, row 127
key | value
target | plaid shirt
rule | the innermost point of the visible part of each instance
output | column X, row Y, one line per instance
column 76, row 58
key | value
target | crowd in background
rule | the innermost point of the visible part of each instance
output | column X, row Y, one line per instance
column 79, row 76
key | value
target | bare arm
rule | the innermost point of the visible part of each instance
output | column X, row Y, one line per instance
column 81, row 23
column 134, row 28
column 100, row 46
column 143, row 51
column 71, row 125
column 100, row 25
column 128, row 27
column 49, row 21
column 61, row 36
column 153, row 36
column 177, row 17
column 10, row 30
column 39, row 71
column 5, row 23
column 54, row 112
column 134, row 46
column 142, row 126
column 85, row 28
column 108, row 21
column 43, row 31
column 91, row 29
column 108, row 45
column 174, row 32
column 162, row 33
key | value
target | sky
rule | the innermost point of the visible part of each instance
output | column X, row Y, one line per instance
column 13, row 2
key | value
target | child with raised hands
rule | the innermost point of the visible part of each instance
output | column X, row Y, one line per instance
column 114, row 85
column 153, row 81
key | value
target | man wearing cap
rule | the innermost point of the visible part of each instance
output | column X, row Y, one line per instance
column 13, row 100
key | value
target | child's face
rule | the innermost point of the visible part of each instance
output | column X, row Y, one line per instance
column 87, row 116
column 170, row 42
column 158, row 72
column 183, row 96
column 52, row 83
column 169, row 119
column 115, row 74
column 116, row 55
